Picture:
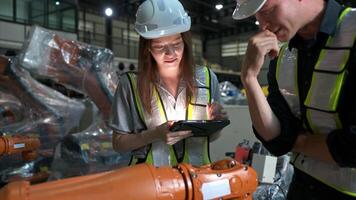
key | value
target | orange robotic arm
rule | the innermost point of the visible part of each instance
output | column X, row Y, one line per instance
column 222, row 180
column 26, row 145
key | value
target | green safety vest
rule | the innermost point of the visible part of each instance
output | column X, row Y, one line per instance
column 322, row 99
column 196, row 149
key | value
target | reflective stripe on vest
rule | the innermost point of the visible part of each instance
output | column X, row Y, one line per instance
column 285, row 72
column 159, row 152
column 195, row 149
column 322, row 99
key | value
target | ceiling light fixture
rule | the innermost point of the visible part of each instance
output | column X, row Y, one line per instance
column 219, row 6
column 108, row 12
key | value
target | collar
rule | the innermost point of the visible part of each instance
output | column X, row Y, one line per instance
column 160, row 84
column 328, row 25
column 331, row 16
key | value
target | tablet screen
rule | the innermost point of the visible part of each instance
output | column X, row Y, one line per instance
column 200, row 127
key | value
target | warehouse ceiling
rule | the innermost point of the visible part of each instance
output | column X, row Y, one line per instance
column 206, row 19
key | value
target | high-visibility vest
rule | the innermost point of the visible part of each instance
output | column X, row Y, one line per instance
column 322, row 99
column 196, row 149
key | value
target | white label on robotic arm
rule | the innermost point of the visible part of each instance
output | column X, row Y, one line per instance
column 19, row 145
column 216, row 189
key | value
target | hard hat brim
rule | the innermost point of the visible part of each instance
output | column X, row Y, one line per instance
column 165, row 31
column 247, row 9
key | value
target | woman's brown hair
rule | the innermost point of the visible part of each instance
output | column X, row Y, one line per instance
column 147, row 68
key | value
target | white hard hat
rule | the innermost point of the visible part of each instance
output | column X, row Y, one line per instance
column 247, row 8
column 158, row 18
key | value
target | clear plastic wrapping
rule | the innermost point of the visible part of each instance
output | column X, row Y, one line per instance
column 11, row 109
column 45, row 111
column 87, row 152
column 278, row 190
column 31, row 108
column 78, row 66
column 230, row 94
column 74, row 137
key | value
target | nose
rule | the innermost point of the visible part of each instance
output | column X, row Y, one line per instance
column 263, row 26
column 169, row 50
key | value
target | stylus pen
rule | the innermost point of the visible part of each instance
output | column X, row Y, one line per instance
column 203, row 105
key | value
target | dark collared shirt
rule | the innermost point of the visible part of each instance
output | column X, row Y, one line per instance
column 341, row 142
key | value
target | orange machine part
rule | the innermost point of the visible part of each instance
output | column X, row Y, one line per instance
column 26, row 145
column 142, row 181
column 241, row 178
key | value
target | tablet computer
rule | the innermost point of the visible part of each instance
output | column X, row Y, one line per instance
column 200, row 127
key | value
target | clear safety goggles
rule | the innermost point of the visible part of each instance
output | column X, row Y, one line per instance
column 160, row 49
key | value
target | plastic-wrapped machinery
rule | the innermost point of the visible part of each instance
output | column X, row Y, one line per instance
column 78, row 66
column 30, row 108
column 87, row 152
column 45, row 111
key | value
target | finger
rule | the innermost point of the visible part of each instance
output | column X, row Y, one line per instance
column 178, row 138
column 215, row 108
column 171, row 141
column 263, row 47
column 169, row 124
column 263, row 33
column 258, row 39
column 274, row 51
column 218, row 111
column 164, row 127
column 220, row 116
column 217, row 117
column 267, row 43
column 189, row 135
column 272, row 54
column 222, row 113
column 183, row 137
column 262, row 37
column 265, row 39
column 269, row 33
column 174, row 140
column 270, row 47
column 180, row 133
